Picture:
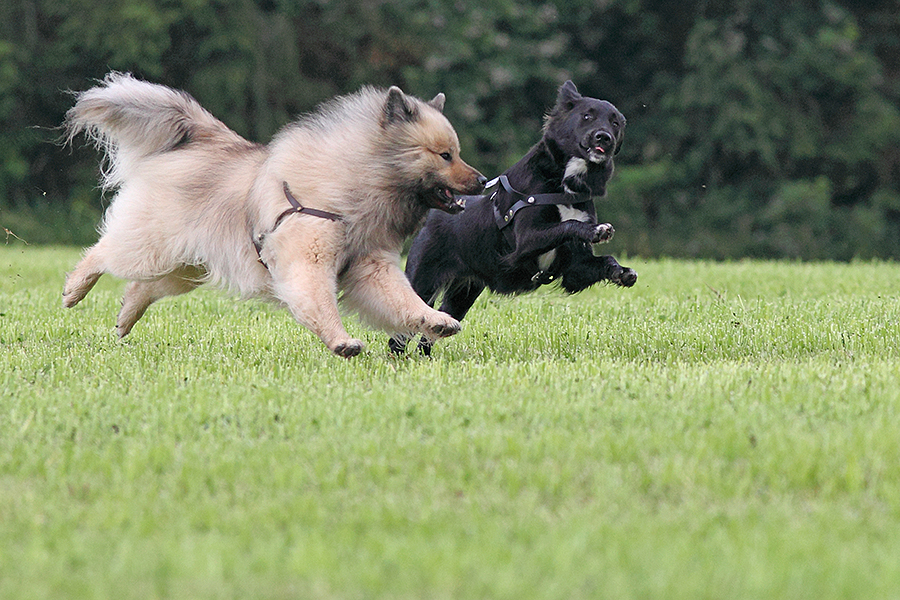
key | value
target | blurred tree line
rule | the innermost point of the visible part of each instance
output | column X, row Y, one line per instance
column 755, row 128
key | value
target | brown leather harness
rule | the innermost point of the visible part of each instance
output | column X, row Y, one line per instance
column 296, row 207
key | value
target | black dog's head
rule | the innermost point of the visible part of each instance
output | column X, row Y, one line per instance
column 585, row 128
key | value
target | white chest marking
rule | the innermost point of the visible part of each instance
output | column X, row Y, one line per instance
column 576, row 167
column 566, row 213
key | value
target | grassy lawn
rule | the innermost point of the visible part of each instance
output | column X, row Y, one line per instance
column 721, row 430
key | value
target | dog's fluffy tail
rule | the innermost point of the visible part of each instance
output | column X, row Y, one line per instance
column 131, row 119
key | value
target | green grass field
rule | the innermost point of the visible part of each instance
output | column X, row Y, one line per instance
column 721, row 430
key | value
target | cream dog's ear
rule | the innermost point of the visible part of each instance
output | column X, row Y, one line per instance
column 398, row 108
column 438, row 102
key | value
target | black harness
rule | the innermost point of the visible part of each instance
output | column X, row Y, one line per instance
column 504, row 220
column 296, row 207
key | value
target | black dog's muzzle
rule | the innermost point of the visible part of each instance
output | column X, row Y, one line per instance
column 600, row 141
column 604, row 139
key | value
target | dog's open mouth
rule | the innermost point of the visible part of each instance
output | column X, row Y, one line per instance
column 443, row 199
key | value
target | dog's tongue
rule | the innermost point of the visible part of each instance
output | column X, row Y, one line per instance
column 600, row 150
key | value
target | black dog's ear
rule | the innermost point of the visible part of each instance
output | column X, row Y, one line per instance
column 438, row 102
column 397, row 108
column 568, row 96
column 620, row 138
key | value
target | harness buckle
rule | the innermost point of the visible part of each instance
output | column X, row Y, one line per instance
column 542, row 277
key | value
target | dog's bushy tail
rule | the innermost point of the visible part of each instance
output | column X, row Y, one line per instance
column 131, row 119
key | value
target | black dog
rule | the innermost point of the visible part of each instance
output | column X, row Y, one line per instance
column 538, row 224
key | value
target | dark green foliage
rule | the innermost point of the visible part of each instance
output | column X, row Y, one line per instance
column 755, row 128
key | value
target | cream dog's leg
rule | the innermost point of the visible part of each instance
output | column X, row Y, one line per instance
column 139, row 295
column 83, row 277
column 378, row 290
column 310, row 293
column 302, row 259
column 135, row 253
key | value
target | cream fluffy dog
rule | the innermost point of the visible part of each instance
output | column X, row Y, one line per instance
column 197, row 203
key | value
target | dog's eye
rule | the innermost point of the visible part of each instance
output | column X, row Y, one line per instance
column 446, row 156
column 588, row 116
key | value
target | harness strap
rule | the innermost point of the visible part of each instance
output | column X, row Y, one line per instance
column 526, row 200
column 503, row 220
column 299, row 208
column 296, row 207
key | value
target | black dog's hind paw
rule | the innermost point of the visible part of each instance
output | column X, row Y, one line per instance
column 425, row 346
column 624, row 277
column 397, row 344
column 603, row 233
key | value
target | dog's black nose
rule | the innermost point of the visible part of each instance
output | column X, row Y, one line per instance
column 482, row 180
column 602, row 137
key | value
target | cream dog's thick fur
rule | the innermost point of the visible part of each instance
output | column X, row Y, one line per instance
column 193, row 196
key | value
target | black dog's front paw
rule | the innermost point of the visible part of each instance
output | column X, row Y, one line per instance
column 603, row 233
column 624, row 277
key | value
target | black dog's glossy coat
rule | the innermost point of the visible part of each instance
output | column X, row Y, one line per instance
column 462, row 254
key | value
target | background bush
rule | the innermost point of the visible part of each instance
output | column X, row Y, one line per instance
column 755, row 128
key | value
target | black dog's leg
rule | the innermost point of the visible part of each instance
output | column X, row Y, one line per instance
column 459, row 299
column 532, row 242
column 457, row 302
column 585, row 270
column 423, row 270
